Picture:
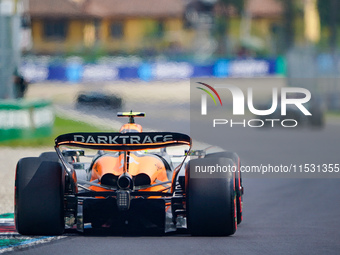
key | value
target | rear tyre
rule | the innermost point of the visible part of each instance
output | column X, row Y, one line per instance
column 210, row 202
column 53, row 156
column 49, row 156
column 238, row 179
column 39, row 197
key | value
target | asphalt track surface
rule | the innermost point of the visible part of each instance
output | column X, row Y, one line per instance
column 281, row 215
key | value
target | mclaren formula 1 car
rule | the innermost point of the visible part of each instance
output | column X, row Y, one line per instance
column 133, row 180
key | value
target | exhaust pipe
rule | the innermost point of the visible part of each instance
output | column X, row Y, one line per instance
column 125, row 181
column 125, row 184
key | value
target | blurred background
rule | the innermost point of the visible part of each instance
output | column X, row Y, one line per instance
column 109, row 40
column 97, row 41
column 85, row 59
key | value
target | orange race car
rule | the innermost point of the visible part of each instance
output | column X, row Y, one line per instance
column 134, row 180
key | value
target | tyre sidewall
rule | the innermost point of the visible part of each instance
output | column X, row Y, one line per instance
column 39, row 194
column 210, row 202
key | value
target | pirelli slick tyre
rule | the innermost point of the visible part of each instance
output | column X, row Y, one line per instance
column 210, row 202
column 53, row 156
column 39, row 197
column 238, row 179
column 49, row 156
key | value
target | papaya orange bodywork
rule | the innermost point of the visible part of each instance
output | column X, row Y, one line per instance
column 131, row 127
column 139, row 163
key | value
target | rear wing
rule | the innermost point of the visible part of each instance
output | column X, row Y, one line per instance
column 123, row 142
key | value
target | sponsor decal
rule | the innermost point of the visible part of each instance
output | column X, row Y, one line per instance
column 131, row 160
column 99, row 73
column 122, row 139
column 249, row 68
column 35, row 72
column 169, row 70
column 26, row 118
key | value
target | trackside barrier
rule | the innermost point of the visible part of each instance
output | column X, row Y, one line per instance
column 149, row 71
column 25, row 119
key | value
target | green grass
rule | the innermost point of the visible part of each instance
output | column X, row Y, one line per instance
column 333, row 113
column 61, row 126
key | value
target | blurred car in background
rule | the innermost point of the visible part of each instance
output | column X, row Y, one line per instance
column 99, row 99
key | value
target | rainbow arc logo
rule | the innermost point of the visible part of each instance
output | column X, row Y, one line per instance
column 204, row 97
